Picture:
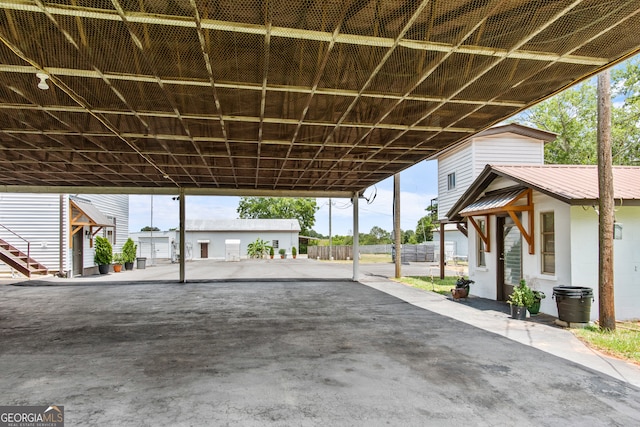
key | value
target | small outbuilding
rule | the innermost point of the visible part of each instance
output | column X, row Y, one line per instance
column 540, row 223
column 207, row 236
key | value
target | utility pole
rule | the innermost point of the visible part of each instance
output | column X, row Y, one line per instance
column 396, row 224
column 606, row 205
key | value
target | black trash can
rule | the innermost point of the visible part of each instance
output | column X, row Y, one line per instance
column 142, row 263
column 574, row 303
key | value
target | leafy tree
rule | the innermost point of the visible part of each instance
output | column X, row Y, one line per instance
column 626, row 115
column 377, row 236
column 409, row 237
column 424, row 229
column 302, row 209
column 149, row 228
column 572, row 114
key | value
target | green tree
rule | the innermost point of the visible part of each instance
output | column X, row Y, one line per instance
column 149, row 228
column 626, row 115
column 409, row 237
column 302, row 209
column 572, row 115
column 424, row 229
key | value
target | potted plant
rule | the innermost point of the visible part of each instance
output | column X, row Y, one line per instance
column 117, row 262
column 462, row 288
column 129, row 250
column 294, row 252
column 271, row 251
column 538, row 296
column 520, row 299
column 283, row 253
column 103, row 255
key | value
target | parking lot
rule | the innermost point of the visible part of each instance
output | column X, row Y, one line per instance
column 280, row 343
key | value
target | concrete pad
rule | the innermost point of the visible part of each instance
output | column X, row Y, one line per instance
column 237, row 351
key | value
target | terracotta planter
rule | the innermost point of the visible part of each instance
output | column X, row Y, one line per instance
column 117, row 268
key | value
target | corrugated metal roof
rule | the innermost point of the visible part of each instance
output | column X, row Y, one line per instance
column 493, row 201
column 573, row 182
column 94, row 215
column 242, row 225
column 275, row 98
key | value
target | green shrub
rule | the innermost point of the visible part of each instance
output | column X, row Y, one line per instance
column 282, row 251
column 104, row 251
column 522, row 295
column 294, row 252
column 118, row 258
column 258, row 249
column 129, row 250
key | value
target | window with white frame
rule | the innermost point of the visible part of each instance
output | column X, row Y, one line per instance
column 548, row 242
column 480, row 245
column 110, row 232
column 451, row 181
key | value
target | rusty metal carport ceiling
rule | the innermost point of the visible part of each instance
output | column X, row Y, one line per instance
column 276, row 97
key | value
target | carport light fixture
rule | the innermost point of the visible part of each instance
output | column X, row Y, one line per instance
column 43, row 81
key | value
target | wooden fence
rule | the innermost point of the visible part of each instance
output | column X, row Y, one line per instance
column 322, row 252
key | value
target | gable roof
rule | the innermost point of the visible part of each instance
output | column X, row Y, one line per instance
column 572, row 184
column 515, row 128
column 291, row 225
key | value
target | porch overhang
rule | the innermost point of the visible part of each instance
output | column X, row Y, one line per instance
column 503, row 202
column 84, row 214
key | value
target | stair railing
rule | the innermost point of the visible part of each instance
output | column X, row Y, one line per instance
column 21, row 238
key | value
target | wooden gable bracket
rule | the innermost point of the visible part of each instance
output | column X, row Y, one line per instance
column 486, row 236
column 511, row 210
column 462, row 227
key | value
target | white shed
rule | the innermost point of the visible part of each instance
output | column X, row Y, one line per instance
column 207, row 237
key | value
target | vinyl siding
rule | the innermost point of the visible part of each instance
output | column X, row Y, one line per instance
column 506, row 149
column 114, row 205
column 470, row 158
column 36, row 218
column 458, row 162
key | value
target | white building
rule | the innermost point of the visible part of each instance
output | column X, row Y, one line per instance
column 540, row 223
column 207, row 237
column 58, row 229
column 460, row 164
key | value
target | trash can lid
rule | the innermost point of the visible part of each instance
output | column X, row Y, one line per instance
column 573, row 291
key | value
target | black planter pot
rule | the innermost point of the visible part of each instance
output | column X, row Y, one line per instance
column 103, row 268
column 128, row 266
column 518, row 312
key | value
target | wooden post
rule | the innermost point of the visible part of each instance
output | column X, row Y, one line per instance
column 606, row 205
column 396, row 224
column 442, row 259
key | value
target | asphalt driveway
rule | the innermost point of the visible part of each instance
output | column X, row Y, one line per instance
column 279, row 352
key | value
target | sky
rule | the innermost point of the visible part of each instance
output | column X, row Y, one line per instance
column 418, row 185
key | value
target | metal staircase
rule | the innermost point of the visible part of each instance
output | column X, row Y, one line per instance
column 20, row 261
